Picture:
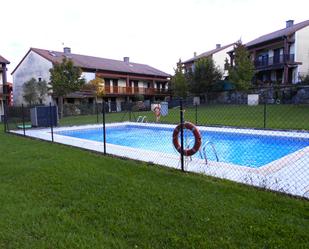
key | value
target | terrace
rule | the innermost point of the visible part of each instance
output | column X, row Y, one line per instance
column 118, row 90
column 273, row 61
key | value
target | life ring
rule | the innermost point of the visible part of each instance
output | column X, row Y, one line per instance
column 157, row 111
column 197, row 136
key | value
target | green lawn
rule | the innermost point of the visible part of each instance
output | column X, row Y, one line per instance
column 54, row 196
column 277, row 116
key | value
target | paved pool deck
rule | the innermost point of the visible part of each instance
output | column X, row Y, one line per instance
column 289, row 174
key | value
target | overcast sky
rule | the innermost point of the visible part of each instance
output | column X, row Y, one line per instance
column 154, row 32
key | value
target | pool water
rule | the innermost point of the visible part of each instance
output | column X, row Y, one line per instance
column 242, row 149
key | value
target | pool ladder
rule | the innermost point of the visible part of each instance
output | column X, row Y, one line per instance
column 202, row 151
column 141, row 119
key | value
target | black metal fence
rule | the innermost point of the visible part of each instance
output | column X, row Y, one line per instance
column 264, row 145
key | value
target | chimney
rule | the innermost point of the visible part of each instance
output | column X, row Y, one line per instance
column 218, row 45
column 67, row 50
column 194, row 54
column 126, row 59
column 289, row 23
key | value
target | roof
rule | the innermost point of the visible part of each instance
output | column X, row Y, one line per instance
column 3, row 60
column 278, row 34
column 97, row 63
column 208, row 53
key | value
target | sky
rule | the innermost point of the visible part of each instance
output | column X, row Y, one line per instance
column 153, row 32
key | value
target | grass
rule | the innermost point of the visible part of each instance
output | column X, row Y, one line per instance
column 53, row 196
column 276, row 116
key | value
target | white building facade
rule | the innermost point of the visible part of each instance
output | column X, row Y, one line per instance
column 3, row 82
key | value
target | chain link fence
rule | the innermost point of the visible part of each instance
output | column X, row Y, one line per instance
column 264, row 145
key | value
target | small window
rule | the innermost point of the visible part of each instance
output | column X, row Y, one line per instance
column 40, row 79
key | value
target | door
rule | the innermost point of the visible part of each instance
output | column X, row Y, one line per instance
column 115, row 86
column 107, row 86
column 135, row 86
column 277, row 56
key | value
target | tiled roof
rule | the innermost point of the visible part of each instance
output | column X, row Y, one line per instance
column 3, row 60
column 91, row 62
column 278, row 33
column 208, row 53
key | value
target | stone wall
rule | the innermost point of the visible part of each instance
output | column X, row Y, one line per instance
column 269, row 95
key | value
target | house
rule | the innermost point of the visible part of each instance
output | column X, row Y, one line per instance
column 219, row 55
column 124, row 80
column 281, row 56
column 3, row 85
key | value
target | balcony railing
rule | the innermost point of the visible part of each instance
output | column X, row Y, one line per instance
column 275, row 60
column 122, row 90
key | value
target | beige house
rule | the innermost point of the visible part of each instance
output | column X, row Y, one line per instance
column 219, row 55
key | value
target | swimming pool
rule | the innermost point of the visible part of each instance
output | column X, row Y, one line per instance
column 245, row 149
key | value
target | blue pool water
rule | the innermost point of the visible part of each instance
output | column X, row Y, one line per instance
column 236, row 148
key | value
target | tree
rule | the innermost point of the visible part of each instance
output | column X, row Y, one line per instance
column 97, row 85
column 65, row 78
column 179, row 82
column 42, row 90
column 242, row 72
column 30, row 91
column 205, row 75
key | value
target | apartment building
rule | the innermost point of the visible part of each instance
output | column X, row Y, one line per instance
column 124, row 80
column 282, row 56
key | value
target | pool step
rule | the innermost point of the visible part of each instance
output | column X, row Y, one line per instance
column 141, row 119
column 202, row 151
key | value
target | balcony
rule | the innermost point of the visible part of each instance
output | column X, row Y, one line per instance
column 122, row 90
column 265, row 61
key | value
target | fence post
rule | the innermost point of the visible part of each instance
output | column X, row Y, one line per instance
column 264, row 115
column 51, row 121
column 195, row 113
column 181, row 135
column 104, row 131
column 23, row 118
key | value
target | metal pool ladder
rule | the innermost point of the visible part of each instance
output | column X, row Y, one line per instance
column 203, row 151
column 141, row 119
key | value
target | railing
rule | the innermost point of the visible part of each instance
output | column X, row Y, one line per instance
column 203, row 151
column 275, row 60
column 134, row 90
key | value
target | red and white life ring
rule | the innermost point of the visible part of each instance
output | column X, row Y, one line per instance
column 197, row 136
